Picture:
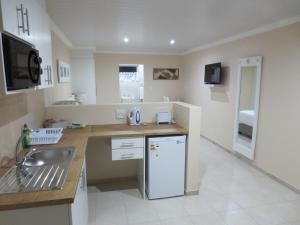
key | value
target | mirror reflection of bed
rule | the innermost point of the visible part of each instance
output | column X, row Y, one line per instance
column 246, row 124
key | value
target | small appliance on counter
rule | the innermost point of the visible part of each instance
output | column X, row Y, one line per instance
column 163, row 118
column 134, row 116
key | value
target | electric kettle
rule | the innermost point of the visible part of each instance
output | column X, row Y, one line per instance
column 134, row 116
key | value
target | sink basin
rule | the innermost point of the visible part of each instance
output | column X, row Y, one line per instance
column 45, row 156
column 42, row 169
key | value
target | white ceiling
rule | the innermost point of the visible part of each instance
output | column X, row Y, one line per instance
column 150, row 24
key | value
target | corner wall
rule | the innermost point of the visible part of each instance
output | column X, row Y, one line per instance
column 60, row 91
column 189, row 117
column 277, row 149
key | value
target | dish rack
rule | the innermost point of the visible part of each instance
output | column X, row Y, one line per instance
column 45, row 136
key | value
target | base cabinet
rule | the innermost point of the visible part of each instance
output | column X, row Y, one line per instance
column 69, row 214
column 79, row 209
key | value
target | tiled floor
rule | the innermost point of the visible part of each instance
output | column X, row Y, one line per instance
column 232, row 193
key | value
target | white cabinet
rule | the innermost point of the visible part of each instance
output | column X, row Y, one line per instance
column 79, row 209
column 127, row 148
column 28, row 20
column 15, row 17
column 42, row 41
column 11, row 17
column 40, row 36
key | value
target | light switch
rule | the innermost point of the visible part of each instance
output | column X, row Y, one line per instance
column 120, row 114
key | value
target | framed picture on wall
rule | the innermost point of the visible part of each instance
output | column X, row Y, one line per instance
column 166, row 74
column 63, row 72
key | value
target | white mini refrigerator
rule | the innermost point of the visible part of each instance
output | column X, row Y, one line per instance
column 165, row 166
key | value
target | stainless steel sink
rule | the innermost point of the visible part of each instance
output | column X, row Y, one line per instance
column 41, row 169
column 42, row 157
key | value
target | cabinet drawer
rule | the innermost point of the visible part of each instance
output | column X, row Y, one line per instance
column 127, row 153
column 136, row 142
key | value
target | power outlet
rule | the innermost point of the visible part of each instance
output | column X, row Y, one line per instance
column 120, row 114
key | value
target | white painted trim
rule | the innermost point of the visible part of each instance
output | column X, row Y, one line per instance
column 249, row 152
column 250, row 33
column 84, row 53
column 93, row 49
column 60, row 34
column 138, row 53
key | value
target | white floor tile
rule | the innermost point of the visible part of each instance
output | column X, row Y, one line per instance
column 177, row 221
column 168, row 208
column 108, row 200
column 293, row 223
column 111, row 216
column 148, row 223
column 207, row 219
column 271, row 214
column 140, row 212
column 195, row 205
column 237, row 217
column 92, row 200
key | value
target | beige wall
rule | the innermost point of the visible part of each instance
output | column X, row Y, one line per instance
column 189, row 117
column 15, row 110
column 107, row 79
column 277, row 150
column 105, row 114
column 60, row 91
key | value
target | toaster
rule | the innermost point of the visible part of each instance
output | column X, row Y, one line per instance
column 163, row 118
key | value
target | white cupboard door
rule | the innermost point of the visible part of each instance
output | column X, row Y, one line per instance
column 31, row 20
column 40, row 36
column 47, row 52
column 79, row 209
column 12, row 17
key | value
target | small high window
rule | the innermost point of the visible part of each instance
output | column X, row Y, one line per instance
column 131, row 81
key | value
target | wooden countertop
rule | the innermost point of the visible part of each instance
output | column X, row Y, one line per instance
column 79, row 139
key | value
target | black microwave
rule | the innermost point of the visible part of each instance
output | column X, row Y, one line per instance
column 22, row 63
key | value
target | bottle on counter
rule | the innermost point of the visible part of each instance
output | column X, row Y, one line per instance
column 25, row 136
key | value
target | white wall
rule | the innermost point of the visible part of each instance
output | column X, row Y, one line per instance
column 277, row 149
column 83, row 74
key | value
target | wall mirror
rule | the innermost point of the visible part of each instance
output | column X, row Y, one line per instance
column 247, row 106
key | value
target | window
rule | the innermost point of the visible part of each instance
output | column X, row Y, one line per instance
column 131, row 81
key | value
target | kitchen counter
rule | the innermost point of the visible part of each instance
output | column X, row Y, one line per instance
column 79, row 139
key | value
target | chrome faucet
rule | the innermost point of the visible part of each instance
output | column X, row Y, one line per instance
column 18, row 149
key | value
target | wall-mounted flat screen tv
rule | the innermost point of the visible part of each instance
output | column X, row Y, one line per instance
column 213, row 74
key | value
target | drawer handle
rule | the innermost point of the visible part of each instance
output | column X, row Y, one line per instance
column 128, row 156
column 127, row 145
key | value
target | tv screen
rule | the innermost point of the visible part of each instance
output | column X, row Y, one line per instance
column 213, row 74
